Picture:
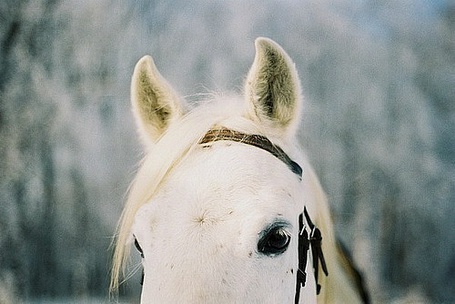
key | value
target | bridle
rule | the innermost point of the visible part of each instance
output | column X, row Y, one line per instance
column 258, row 141
column 313, row 240
column 306, row 240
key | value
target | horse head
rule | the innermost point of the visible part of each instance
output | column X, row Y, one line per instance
column 214, row 208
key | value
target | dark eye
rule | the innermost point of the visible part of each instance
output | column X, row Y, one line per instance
column 274, row 242
column 138, row 247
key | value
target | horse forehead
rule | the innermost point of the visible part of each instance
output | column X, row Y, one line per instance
column 232, row 174
column 228, row 183
column 228, row 165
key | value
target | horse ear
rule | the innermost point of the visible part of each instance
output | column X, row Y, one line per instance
column 155, row 104
column 272, row 88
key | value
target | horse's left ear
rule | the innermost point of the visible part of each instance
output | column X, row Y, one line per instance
column 272, row 88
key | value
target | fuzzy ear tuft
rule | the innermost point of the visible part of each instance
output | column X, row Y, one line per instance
column 155, row 104
column 272, row 88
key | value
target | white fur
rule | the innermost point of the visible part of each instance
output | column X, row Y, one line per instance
column 200, row 232
column 198, row 211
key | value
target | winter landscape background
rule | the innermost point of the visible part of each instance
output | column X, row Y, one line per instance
column 379, row 85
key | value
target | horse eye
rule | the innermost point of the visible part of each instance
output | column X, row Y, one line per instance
column 138, row 247
column 274, row 242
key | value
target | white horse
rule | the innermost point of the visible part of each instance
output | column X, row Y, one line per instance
column 214, row 209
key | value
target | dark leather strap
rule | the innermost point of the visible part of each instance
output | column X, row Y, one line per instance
column 316, row 250
column 303, row 246
column 305, row 242
column 255, row 140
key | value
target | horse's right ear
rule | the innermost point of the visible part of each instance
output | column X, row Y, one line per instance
column 155, row 104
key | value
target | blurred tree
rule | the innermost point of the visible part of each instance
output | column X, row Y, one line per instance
column 379, row 121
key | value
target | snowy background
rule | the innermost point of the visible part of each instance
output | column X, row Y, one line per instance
column 379, row 81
